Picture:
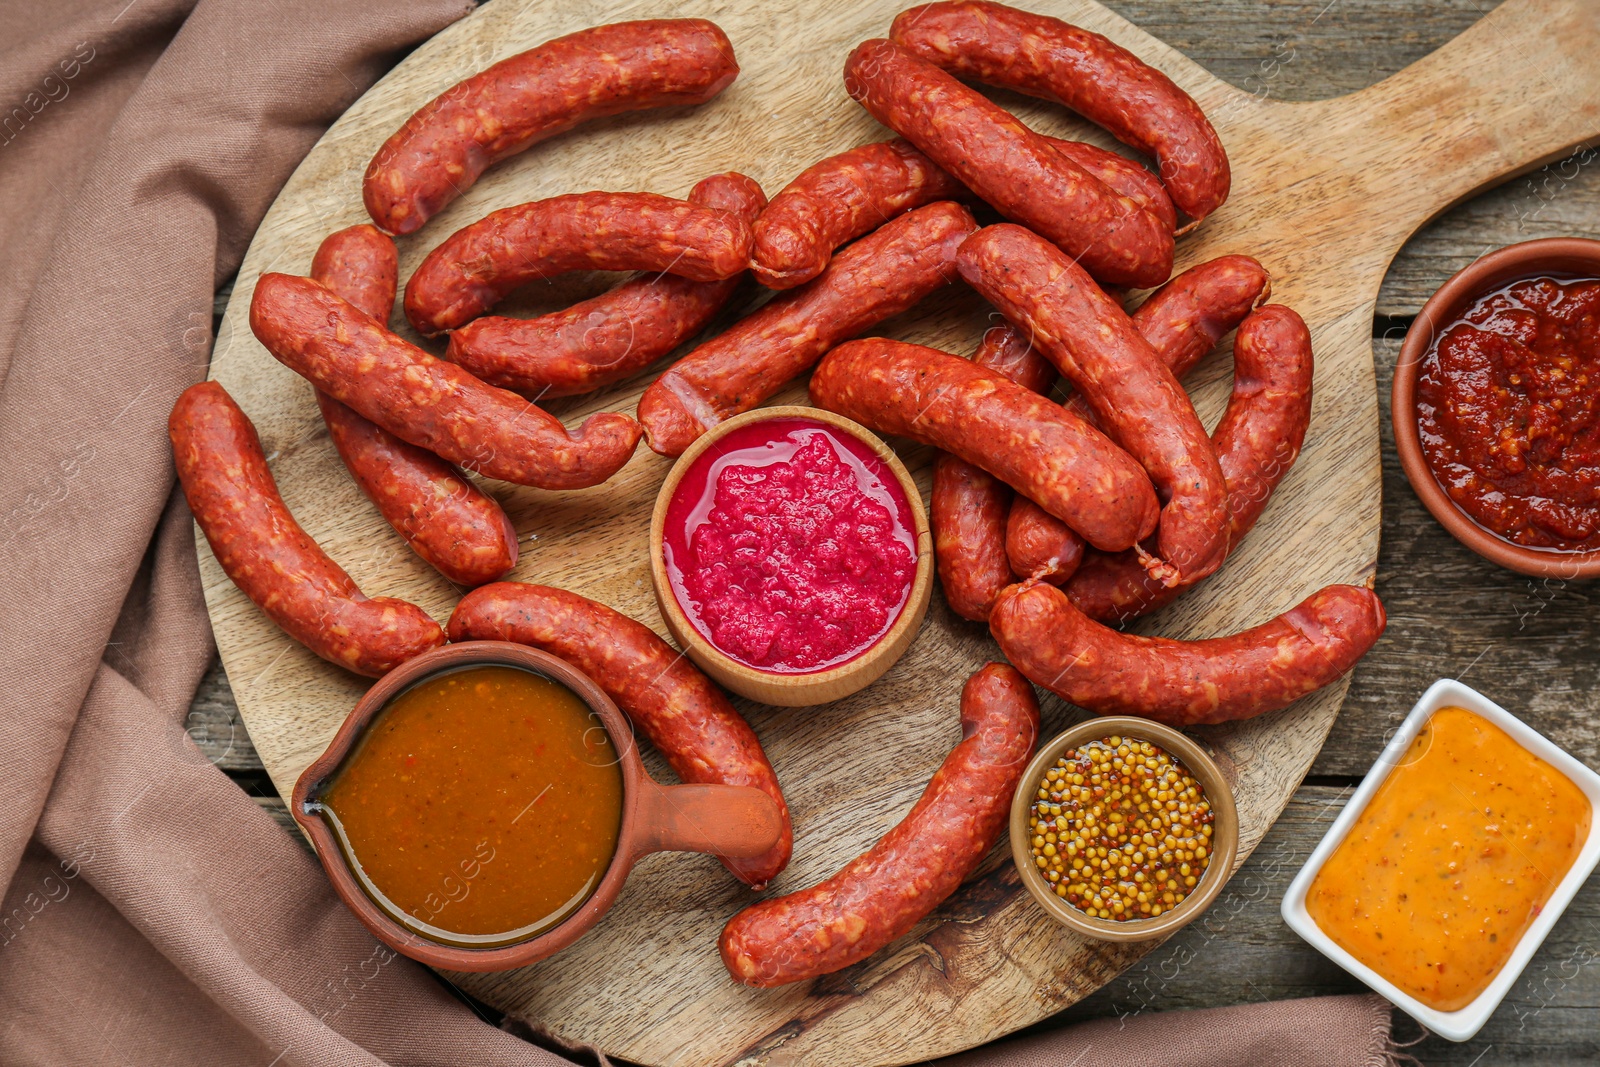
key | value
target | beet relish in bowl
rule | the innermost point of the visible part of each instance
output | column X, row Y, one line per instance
column 791, row 555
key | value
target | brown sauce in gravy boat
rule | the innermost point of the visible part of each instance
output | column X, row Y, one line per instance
column 718, row 819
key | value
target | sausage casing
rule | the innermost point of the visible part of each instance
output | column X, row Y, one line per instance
column 677, row 708
column 968, row 512
column 1183, row 321
column 881, row 894
column 1105, row 83
column 426, row 401
column 1091, row 340
column 880, row 275
column 837, row 199
column 1185, row 683
column 269, row 557
column 969, row 505
column 627, row 66
column 1017, row 171
column 483, row 261
column 1015, row 434
column 607, row 338
column 1257, row 441
column 448, row 521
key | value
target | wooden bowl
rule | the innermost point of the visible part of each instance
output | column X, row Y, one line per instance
column 815, row 687
column 720, row 819
column 1530, row 259
column 1224, row 828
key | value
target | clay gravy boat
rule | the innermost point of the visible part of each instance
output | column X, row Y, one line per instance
column 723, row 820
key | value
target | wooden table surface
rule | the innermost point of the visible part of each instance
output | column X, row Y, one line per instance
column 1533, row 646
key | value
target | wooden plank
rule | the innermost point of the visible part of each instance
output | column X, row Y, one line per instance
column 1241, row 952
column 214, row 724
column 1303, row 49
column 1560, row 200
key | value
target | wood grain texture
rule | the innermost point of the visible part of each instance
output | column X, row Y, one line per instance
column 1322, row 194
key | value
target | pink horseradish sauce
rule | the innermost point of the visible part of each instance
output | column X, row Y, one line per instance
column 790, row 546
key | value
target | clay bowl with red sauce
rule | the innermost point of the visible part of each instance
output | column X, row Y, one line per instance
column 1561, row 258
column 895, row 552
column 719, row 819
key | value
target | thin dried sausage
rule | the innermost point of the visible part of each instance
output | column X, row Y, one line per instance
column 1015, row 434
column 1257, row 441
column 881, row 894
column 1183, row 321
column 838, row 199
column 627, row 66
column 677, row 708
column 1091, row 340
column 605, row 339
column 880, row 275
column 481, row 262
column 1100, row 80
column 969, row 505
column 1024, row 176
column 426, row 401
column 269, row 557
column 448, row 521
column 1185, row 683
column 968, row 511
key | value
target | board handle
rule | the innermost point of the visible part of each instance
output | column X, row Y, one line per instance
column 1515, row 91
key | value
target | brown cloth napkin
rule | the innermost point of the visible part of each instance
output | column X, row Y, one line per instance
column 153, row 912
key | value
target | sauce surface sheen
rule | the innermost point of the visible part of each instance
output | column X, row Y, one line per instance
column 1452, row 860
column 481, row 803
column 1508, row 408
column 790, row 546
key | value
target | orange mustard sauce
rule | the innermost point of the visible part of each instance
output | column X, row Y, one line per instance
column 481, row 803
column 1453, row 859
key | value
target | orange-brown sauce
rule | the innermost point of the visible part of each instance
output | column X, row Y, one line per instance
column 1452, row 860
column 482, row 803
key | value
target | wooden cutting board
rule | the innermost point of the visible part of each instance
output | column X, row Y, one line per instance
column 1324, row 194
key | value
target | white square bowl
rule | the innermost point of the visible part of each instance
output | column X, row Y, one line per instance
column 1461, row 1024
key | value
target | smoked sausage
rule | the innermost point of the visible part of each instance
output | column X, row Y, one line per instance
column 1185, row 683
column 361, row 265
column 667, row 699
column 844, row 196
column 880, row 275
column 1044, row 57
column 481, row 262
column 1091, row 340
column 627, row 66
column 1015, row 434
column 1183, row 321
column 1041, row 546
column 881, row 894
column 269, row 557
column 425, row 401
column 605, row 339
column 968, row 512
column 838, row 200
column 1023, row 176
column 448, row 521
column 1256, row 442
column 969, row 505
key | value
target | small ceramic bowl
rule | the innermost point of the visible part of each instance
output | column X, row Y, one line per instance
column 1461, row 1024
column 1556, row 256
column 720, row 819
column 1224, row 828
column 815, row 687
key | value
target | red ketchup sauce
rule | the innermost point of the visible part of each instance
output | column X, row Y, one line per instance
column 1508, row 404
column 790, row 546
